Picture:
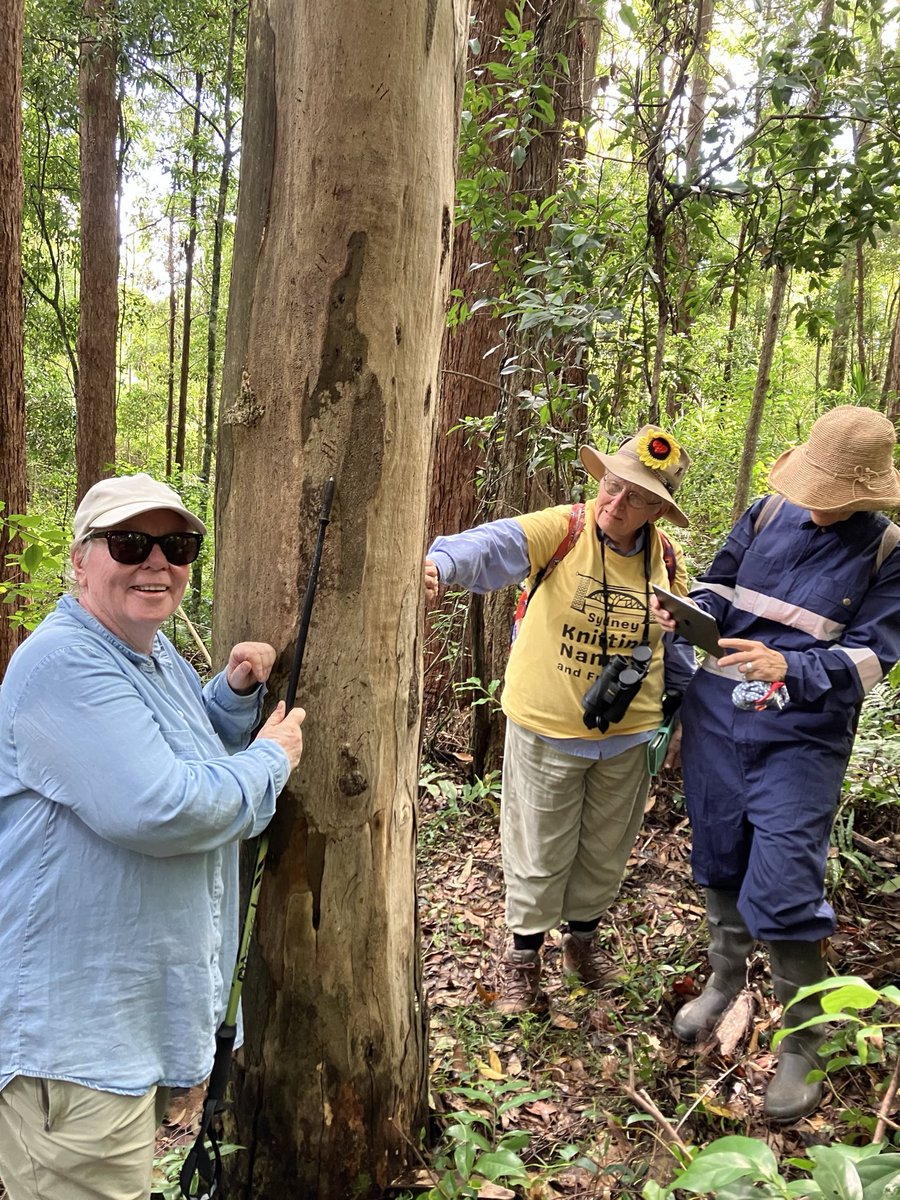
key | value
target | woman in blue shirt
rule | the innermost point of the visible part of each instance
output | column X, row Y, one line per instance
column 806, row 591
column 125, row 789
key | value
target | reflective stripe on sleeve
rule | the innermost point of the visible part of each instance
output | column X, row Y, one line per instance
column 868, row 668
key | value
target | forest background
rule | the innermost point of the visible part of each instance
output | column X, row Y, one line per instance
column 680, row 212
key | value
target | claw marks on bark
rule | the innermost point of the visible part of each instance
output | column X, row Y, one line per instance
column 246, row 410
column 315, row 870
column 345, row 409
column 351, row 780
column 446, row 229
column 430, row 15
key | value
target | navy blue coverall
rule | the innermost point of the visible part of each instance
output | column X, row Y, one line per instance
column 762, row 787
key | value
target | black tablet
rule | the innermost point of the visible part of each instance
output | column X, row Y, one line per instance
column 698, row 627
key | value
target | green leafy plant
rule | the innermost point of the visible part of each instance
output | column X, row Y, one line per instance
column 33, row 576
column 167, row 1167
column 742, row 1168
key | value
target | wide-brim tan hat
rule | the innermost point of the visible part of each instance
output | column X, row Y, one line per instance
column 112, row 501
column 847, row 462
column 652, row 460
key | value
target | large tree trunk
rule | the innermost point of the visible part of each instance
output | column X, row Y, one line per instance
column 95, row 439
column 341, row 266
column 12, row 389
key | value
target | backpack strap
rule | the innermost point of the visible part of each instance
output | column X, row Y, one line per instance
column 668, row 552
column 767, row 512
column 889, row 541
column 576, row 525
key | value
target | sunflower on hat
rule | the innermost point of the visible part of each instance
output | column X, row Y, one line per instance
column 657, row 450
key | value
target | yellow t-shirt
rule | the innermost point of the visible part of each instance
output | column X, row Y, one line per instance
column 558, row 652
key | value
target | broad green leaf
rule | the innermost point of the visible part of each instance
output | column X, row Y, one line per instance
column 835, row 1174
column 501, row 1164
column 629, row 17
column 726, row 1160
column 32, row 557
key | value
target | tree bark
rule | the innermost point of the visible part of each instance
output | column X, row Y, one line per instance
column 340, row 273
column 95, row 438
column 13, row 490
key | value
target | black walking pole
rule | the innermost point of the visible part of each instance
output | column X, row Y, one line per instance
column 201, row 1172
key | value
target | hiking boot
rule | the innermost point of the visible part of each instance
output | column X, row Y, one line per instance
column 789, row 1097
column 730, row 944
column 581, row 957
column 520, row 983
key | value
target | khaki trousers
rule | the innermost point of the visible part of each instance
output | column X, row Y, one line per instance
column 567, row 826
column 61, row 1141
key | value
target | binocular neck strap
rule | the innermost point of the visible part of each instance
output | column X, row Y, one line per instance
column 646, row 553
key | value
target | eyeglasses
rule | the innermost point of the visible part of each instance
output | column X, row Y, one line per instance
column 615, row 487
column 130, row 547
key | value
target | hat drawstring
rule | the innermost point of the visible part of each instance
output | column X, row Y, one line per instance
column 867, row 477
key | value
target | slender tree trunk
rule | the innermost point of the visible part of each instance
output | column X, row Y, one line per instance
column 340, row 273
column 13, row 489
column 190, row 247
column 760, row 391
column 840, row 334
column 890, row 392
column 212, row 326
column 171, row 323
column 95, row 439
column 862, row 357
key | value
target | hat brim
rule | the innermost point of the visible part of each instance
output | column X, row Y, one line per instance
column 624, row 467
column 803, row 484
column 115, row 516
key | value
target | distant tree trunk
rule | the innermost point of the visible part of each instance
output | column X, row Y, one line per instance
column 890, row 392
column 95, row 439
column 190, row 247
column 760, row 390
column 862, row 357
column 170, row 325
column 340, row 273
column 13, row 487
column 840, row 334
column 212, row 325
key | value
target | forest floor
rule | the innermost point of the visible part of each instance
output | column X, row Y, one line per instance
column 594, row 1095
column 602, row 1087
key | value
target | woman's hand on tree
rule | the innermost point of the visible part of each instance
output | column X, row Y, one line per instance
column 284, row 728
column 249, row 665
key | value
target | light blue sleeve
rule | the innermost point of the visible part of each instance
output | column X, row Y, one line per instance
column 483, row 559
column 87, row 739
column 233, row 717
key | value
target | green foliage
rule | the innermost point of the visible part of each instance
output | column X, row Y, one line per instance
column 33, row 576
column 167, row 1167
column 742, row 1168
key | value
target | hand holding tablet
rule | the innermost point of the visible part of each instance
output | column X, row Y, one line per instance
column 698, row 627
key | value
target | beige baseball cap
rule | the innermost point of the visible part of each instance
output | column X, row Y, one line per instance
column 112, row 501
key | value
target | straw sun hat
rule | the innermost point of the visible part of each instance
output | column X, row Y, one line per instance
column 846, row 462
column 652, row 460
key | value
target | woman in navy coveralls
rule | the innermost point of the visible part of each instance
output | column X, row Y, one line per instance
column 801, row 594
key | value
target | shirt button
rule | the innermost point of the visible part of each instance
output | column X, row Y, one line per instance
column 847, row 601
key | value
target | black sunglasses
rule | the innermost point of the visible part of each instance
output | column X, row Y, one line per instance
column 130, row 547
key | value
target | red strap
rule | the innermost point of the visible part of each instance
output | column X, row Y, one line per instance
column 576, row 524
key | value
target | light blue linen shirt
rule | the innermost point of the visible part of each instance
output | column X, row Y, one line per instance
column 124, row 792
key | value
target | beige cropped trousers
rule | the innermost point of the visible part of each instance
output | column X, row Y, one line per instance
column 567, row 827
column 62, row 1141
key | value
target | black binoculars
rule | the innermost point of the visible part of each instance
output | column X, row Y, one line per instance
column 606, row 701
